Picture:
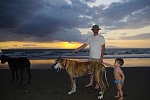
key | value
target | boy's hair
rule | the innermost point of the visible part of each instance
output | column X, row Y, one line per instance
column 120, row 61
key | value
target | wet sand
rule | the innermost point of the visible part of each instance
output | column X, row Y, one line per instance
column 47, row 84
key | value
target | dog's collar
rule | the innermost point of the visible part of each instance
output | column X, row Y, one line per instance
column 65, row 63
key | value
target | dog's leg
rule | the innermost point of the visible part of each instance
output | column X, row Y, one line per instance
column 21, row 74
column 103, row 88
column 99, row 81
column 16, row 75
column 12, row 72
column 29, row 74
column 73, row 85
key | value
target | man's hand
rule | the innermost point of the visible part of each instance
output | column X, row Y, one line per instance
column 74, row 51
column 101, row 60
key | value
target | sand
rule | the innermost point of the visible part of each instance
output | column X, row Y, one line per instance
column 47, row 84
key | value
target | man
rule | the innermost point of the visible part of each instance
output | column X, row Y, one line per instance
column 97, row 49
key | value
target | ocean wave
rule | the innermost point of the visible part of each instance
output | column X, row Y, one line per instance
column 54, row 53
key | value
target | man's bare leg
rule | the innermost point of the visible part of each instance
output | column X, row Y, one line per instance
column 91, row 81
column 97, row 86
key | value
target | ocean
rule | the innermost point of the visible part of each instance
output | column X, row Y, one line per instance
column 134, row 57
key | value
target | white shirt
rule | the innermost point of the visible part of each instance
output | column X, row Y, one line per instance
column 95, row 43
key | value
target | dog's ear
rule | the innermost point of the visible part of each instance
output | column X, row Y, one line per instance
column 60, row 56
column 62, row 60
column 1, row 53
column 1, row 57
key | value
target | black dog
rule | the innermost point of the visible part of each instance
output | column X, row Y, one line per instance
column 15, row 64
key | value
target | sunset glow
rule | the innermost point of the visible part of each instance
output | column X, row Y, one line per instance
column 38, row 45
column 68, row 45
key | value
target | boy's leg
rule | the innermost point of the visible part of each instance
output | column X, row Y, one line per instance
column 119, row 87
column 91, row 81
column 118, row 95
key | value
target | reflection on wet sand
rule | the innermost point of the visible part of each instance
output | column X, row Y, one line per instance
column 129, row 62
column 47, row 63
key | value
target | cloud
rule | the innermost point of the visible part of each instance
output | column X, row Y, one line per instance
column 143, row 36
column 111, row 46
column 15, row 45
column 128, row 14
column 14, row 12
column 50, row 20
column 26, row 45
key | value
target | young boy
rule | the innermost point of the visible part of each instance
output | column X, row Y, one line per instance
column 119, row 76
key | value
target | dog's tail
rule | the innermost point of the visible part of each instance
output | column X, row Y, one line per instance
column 106, row 79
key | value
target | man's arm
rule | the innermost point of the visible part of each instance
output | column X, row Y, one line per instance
column 102, row 53
column 81, row 47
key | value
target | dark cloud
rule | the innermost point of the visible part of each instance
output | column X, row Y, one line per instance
column 127, row 14
column 49, row 20
column 14, row 12
column 144, row 36
column 69, row 35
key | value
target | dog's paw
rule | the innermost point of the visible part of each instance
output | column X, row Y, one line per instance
column 73, row 91
column 100, row 97
column 70, row 92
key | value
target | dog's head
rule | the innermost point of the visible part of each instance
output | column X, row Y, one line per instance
column 59, row 64
column 4, row 59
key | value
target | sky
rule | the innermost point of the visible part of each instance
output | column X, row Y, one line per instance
column 66, row 24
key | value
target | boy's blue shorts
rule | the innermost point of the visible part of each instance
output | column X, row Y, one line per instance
column 117, row 81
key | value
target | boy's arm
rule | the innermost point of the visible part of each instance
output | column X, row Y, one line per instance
column 123, row 76
column 107, row 64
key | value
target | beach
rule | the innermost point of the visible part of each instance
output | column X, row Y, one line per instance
column 47, row 84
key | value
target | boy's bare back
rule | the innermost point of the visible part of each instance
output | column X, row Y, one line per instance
column 118, row 73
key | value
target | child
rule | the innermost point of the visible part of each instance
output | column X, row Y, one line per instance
column 119, row 76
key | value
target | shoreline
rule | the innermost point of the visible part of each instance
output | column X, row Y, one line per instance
column 47, row 84
column 47, row 63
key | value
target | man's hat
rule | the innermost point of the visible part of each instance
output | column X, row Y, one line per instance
column 95, row 27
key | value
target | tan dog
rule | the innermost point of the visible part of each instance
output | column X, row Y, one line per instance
column 78, row 69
